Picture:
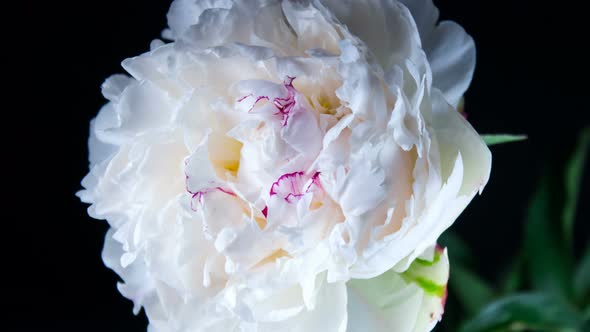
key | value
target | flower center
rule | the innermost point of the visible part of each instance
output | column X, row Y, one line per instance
column 224, row 153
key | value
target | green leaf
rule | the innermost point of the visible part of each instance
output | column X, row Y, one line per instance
column 582, row 278
column 471, row 291
column 549, row 262
column 573, row 176
column 512, row 278
column 523, row 312
column 493, row 139
column 550, row 220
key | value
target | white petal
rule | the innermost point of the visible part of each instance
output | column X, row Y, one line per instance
column 98, row 151
column 185, row 13
column 450, row 50
column 113, row 87
column 313, row 29
column 425, row 15
column 200, row 174
column 362, row 90
column 455, row 135
column 409, row 302
column 391, row 35
column 137, row 285
column 328, row 315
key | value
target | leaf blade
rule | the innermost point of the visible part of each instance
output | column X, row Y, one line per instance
column 513, row 277
column 493, row 139
column 535, row 311
column 582, row 278
column 549, row 264
column 472, row 292
column 573, row 173
column 458, row 250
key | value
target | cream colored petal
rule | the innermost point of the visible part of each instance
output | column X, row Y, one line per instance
column 412, row 301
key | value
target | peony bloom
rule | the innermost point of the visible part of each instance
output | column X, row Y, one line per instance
column 287, row 166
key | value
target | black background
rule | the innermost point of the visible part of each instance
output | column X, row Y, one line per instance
column 531, row 77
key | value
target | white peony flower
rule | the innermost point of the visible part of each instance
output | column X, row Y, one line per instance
column 287, row 166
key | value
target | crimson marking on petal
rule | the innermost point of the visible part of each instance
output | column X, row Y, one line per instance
column 289, row 184
column 464, row 114
column 200, row 194
column 439, row 248
column 315, row 181
column 265, row 211
column 229, row 192
column 285, row 105
column 290, row 198
column 461, row 108
column 259, row 98
column 289, row 81
column 242, row 98
column 186, row 177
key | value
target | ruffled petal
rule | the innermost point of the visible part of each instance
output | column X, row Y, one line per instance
column 391, row 36
column 328, row 313
column 185, row 13
column 450, row 50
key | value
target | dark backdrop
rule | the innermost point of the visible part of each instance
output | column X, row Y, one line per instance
column 531, row 77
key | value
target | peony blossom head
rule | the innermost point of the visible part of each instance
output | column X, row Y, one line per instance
column 276, row 161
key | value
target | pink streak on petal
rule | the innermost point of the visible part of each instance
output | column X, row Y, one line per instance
column 186, row 177
column 199, row 194
column 228, row 192
column 289, row 184
column 315, row 182
column 198, row 197
column 289, row 81
column 243, row 98
column 444, row 298
column 285, row 105
column 259, row 98
column 290, row 198
column 265, row 212
column 439, row 248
